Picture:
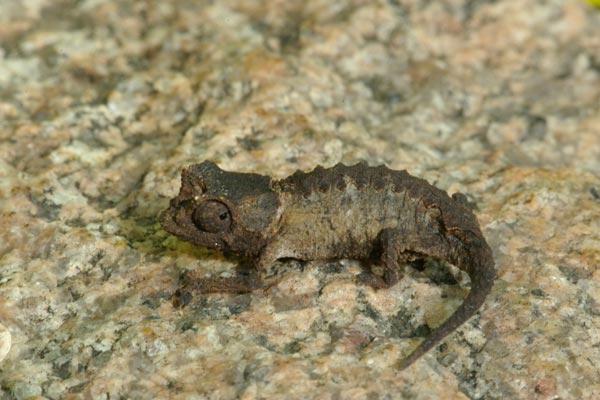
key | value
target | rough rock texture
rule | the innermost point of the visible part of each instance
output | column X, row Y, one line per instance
column 103, row 102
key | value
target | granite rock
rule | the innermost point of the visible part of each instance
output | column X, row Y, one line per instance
column 102, row 103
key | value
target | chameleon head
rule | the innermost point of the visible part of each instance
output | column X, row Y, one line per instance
column 222, row 210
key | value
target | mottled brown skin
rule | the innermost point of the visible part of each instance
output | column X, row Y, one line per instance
column 356, row 212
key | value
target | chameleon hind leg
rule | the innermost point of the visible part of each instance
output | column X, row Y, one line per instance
column 390, row 260
column 399, row 247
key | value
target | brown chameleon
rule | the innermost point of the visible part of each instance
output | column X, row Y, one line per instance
column 343, row 212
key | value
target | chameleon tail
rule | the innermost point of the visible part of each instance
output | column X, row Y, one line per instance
column 479, row 264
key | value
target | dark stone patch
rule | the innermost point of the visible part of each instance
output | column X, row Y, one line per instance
column 574, row 274
column 539, row 292
column 45, row 209
column 536, row 128
column 248, row 143
column 595, row 192
column 292, row 347
column 62, row 370
column 401, row 326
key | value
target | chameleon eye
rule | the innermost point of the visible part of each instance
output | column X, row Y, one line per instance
column 212, row 216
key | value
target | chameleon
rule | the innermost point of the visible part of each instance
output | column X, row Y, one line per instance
column 343, row 212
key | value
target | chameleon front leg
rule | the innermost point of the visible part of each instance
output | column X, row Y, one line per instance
column 240, row 283
column 245, row 281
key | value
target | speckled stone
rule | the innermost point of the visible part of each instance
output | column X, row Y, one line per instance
column 103, row 102
column 5, row 342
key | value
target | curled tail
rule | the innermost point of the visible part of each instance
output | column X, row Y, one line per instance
column 477, row 261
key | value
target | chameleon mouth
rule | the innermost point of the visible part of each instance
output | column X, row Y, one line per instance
column 167, row 222
column 175, row 218
column 172, row 221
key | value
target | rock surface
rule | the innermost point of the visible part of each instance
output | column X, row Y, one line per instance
column 103, row 102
